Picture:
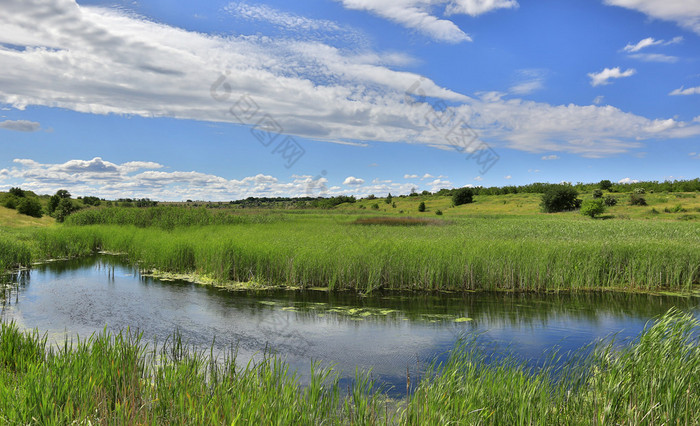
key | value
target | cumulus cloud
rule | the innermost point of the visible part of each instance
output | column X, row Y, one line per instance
column 685, row 13
column 20, row 125
column 655, row 57
column 508, row 177
column 627, row 180
column 478, row 178
column 601, row 78
column 550, row 157
column 407, row 176
column 353, row 181
column 418, row 14
column 97, row 60
column 685, row 92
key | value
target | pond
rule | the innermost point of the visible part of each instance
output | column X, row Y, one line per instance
column 387, row 332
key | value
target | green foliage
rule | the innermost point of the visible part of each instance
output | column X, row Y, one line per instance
column 388, row 199
column 30, row 206
column 592, row 208
column 64, row 209
column 610, row 201
column 639, row 191
column 637, row 200
column 462, row 196
column 91, row 201
column 375, row 206
column 438, row 212
column 559, row 198
column 17, row 192
column 605, row 185
column 421, row 206
column 597, row 193
column 11, row 201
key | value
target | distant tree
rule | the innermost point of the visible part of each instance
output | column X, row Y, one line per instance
column 413, row 192
column 425, row 192
column 371, row 197
column 421, row 206
column 605, row 185
column 55, row 200
column 438, row 212
column 375, row 206
column 597, row 193
column 637, row 200
column 639, row 191
column 388, row 199
column 17, row 192
column 592, row 208
column 559, row 198
column 30, row 207
column 610, row 201
column 65, row 208
column 462, row 196
column 393, row 205
column 91, row 201
column 63, row 193
column 11, row 202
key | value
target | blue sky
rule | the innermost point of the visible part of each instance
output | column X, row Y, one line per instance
column 223, row 100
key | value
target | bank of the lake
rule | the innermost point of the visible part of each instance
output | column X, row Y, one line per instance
column 336, row 251
column 114, row 378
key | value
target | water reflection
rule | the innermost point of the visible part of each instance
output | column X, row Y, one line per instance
column 386, row 331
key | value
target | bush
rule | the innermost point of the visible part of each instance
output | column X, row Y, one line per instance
column 11, row 202
column 421, row 206
column 30, row 207
column 592, row 208
column 639, row 191
column 65, row 208
column 610, row 201
column 597, row 193
column 637, row 200
column 17, row 192
column 559, row 198
column 388, row 199
column 439, row 212
column 463, row 196
column 605, row 185
column 375, row 206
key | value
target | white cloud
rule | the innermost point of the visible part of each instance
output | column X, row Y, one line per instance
column 20, row 125
column 508, row 177
column 418, row 14
column 550, row 157
column 688, row 91
column 655, row 57
column 686, row 13
column 427, row 176
column 598, row 99
column 601, row 78
column 627, row 180
column 694, row 155
column 353, row 181
column 478, row 178
column 96, row 60
column 649, row 41
column 407, row 176
column 439, row 184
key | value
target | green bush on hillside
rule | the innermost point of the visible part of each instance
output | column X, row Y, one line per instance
column 592, row 208
column 463, row 196
column 559, row 198
column 29, row 207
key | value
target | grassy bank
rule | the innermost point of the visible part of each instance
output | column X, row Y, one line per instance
column 338, row 251
column 115, row 379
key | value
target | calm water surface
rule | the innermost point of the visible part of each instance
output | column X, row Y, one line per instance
column 387, row 332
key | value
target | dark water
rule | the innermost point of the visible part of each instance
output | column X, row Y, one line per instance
column 386, row 332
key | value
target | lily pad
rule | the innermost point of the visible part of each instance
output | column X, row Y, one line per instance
column 463, row 319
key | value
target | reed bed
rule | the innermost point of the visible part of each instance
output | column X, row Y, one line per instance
column 117, row 379
column 540, row 253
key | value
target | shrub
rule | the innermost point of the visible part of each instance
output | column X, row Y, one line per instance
column 17, row 192
column 605, row 185
column 65, row 208
column 639, row 191
column 91, row 201
column 421, row 206
column 439, row 212
column 637, row 200
column 592, row 208
column 388, row 199
column 11, row 202
column 30, row 207
column 559, row 198
column 375, row 206
column 597, row 193
column 393, row 205
column 463, row 196
column 610, row 201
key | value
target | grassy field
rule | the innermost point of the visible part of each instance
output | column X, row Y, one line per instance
column 362, row 250
column 115, row 379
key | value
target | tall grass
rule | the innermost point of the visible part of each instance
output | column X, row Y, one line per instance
column 115, row 378
column 326, row 250
column 654, row 381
